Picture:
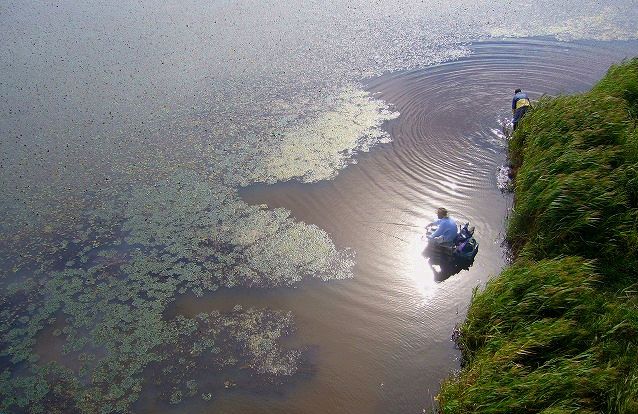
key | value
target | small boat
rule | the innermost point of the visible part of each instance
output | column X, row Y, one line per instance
column 464, row 247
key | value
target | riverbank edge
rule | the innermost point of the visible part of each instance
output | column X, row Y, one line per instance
column 557, row 330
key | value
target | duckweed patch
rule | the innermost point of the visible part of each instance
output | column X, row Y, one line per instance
column 213, row 239
column 130, row 106
column 241, row 344
column 318, row 148
column 106, row 290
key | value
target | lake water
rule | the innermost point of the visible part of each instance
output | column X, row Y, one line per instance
column 218, row 206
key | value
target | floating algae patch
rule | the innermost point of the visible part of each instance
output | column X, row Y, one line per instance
column 241, row 344
column 211, row 238
column 318, row 147
column 578, row 21
column 104, row 299
column 135, row 337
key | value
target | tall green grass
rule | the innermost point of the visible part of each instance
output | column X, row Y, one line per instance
column 557, row 332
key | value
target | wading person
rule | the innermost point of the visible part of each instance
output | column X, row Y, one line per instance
column 520, row 105
column 446, row 230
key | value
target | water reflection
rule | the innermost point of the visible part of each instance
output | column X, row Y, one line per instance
column 391, row 324
column 421, row 276
column 129, row 128
column 443, row 264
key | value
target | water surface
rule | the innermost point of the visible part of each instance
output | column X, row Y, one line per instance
column 216, row 206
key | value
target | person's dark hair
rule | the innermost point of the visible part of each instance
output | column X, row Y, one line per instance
column 441, row 212
column 517, row 91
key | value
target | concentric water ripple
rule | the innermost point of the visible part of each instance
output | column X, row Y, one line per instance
column 444, row 146
column 131, row 266
column 393, row 321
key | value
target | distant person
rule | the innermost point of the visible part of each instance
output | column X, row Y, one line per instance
column 446, row 230
column 520, row 105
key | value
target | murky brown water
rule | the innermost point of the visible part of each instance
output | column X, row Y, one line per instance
column 380, row 343
column 144, row 264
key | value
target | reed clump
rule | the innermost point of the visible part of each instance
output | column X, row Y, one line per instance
column 557, row 331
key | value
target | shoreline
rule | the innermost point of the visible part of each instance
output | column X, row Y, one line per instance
column 372, row 334
column 556, row 330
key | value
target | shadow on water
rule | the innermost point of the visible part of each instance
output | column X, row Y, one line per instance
column 384, row 337
column 380, row 343
column 443, row 264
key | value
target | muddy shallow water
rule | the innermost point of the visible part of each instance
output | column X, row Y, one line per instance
column 381, row 342
column 218, row 207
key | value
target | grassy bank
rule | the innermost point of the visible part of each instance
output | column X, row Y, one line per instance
column 557, row 332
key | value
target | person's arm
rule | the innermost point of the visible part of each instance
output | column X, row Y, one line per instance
column 434, row 223
column 437, row 232
column 514, row 104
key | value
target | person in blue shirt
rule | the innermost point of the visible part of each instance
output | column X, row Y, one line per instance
column 520, row 105
column 446, row 230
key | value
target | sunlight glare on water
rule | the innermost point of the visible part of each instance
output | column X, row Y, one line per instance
column 422, row 277
column 223, row 158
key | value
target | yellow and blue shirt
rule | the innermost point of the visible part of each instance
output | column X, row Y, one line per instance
column 520, row 100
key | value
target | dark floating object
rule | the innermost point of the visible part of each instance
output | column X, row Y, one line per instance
column 448, row 260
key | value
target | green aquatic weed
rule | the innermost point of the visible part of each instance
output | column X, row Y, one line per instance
column 180, row 234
